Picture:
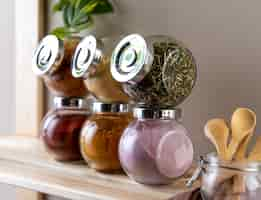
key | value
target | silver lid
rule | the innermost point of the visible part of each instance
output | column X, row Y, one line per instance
column 69, row 102
column 157, row 113
column 114, row 108
column 131, row 59
column 48, row 55
column 86, row 54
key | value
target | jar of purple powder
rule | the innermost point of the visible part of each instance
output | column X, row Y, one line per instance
column 155, row 148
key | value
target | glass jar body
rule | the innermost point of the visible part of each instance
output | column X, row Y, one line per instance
column 100, row 139
column 60, row 132
column 155, row 151
column 155, row 69
column 219, row 183
column 60, row 81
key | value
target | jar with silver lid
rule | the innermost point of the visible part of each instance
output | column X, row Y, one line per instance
column 91, row 62
column 60, row 128
column 101, row 134
column 155, row 148
column 154, row 69
column 52, row 61
column 235, row 180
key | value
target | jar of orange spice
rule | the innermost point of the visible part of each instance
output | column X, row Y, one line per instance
column 101, row 134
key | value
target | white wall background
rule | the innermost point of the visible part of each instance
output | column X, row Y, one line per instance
column 225, row 37
column 7, row 109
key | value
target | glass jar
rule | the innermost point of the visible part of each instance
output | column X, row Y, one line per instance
column 155, row 70
column 101, row 134
column 155, row 147
column 224, row 180
column 91, row 62
column 52, row 62
column 61, row 127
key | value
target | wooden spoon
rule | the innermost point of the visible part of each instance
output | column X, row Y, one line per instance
column 255, row 154
column 243, row 123
column 241, row 152
column 217, row 132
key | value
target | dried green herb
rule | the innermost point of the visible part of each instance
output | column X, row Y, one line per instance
column 171, row 78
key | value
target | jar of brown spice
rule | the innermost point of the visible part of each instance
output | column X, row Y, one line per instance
column 91, row 62
column 52, row 62
column 101, row 134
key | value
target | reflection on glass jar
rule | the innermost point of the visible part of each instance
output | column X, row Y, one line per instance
column 223, row 180
column 154, row 69
column 52, row 61
column 91, row 61
column 101, row 134
column 60, row 130
column 155, row 148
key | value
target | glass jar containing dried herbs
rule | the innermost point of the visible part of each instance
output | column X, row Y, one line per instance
column 155, row 70
column 91, row 62
column 101, row 134
column 52, row 61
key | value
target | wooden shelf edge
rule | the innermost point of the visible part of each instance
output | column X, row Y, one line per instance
column 24, row 163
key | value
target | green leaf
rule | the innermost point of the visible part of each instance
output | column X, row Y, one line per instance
column 59, row 6
column 62, row 32
column 65, row 16
column 97, row 7
column 81, row 18
column 83, row 26
column 70, row 14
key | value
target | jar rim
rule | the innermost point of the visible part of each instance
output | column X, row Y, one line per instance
column 157, row 113
column 71, row 102
column 212, row 160
column 100, row 107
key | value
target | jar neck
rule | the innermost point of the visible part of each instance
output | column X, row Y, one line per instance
column 143, row 113
column 212, row 161
column 115, row 108
column 66, row 102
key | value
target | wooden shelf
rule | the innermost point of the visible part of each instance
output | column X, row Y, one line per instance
column 24, row 163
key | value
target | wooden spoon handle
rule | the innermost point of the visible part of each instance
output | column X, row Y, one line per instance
column 232, row 148
column 242, row 149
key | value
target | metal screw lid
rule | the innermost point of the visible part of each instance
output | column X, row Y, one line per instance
column 69, row 102
column 48, row 55
column 157, row 113
column 131, row 59
column 113, row 108
column 86, row 54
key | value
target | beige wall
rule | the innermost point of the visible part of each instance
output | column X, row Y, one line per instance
column 7, row 109
column 225, row 39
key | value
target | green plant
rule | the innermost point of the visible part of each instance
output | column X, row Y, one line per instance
column 77, row 14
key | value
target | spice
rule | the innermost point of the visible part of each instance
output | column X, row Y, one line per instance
column 155, row 148
column 52, row 61
column 60, row 132
column 100, row 138
column 158, row 70
column 92, row 62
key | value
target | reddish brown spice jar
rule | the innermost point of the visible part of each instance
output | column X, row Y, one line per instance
column 52, row 62
column 101, row 133
column 61, row 127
